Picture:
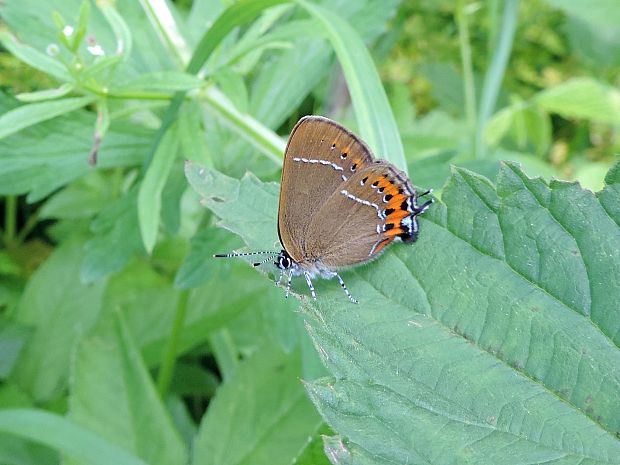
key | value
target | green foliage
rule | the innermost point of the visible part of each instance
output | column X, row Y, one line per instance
column 137, row 139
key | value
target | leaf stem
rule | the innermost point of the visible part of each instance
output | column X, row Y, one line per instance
column 31, row 222
column 170, row 349
column 495, row 72
column 469, row 89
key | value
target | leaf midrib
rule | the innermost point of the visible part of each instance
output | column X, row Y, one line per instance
column 450, row 401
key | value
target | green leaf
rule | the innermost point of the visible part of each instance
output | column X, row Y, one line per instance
column 13, row 337
column 496, row 333
column 163, row 81
column 315, row 453
column 260, row 416
column 265, row 140
column 220, row 193
column 149, row 195
column 60, row 309
column 125, row 409
column 33, row 57
column 65, row 436
column 197, row 268
column 375, row 119
column 237, row 14
column 597, row 12
column 48, row 94
column 121, row 30
column 586, row 98
column 117, row 238
column 42, row 158
column 28, row 115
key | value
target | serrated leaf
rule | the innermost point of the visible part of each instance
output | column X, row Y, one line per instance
column 493, row 339
column 260, row 416
column 220, row 192
column 125, row 409
column 59, row 308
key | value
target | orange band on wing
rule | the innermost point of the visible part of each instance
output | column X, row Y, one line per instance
column 382, row 244
column 396, row 216
column 394, row 232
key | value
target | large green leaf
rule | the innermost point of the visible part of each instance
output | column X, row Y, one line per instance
column 494, row 339
column 260, row 416
column 60, row 309
column 125, row 409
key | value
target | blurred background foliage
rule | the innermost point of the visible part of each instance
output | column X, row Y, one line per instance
column 112, row 314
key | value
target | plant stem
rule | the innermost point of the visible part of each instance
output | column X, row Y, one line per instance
column 10, row 219
column 495, row 72
column 31, row 222
column 469, row 88
column 170, row 349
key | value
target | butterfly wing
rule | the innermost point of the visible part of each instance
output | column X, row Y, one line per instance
column 364, row 215
column 320, row 156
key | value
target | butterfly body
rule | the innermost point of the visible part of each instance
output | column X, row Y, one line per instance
column 339, row 207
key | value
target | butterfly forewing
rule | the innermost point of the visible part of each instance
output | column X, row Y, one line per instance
column 360, row 218
column 320, row 156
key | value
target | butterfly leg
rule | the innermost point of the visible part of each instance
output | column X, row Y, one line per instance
column 309, row 281
column 288, row 283
column 344, row 288
column 280, row 278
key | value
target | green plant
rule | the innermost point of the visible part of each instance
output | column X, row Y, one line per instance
column 492, row 340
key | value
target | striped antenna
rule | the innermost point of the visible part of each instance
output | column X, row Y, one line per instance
column 246, row 254
column 243, row 254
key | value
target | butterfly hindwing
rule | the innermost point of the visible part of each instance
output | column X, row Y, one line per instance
column 362, row 217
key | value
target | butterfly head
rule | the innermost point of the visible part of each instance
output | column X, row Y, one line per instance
column 284, row 260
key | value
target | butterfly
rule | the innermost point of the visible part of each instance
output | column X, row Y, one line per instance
column 339, row 207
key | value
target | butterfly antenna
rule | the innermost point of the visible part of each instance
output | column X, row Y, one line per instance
column 245, row 254
column 265, row 260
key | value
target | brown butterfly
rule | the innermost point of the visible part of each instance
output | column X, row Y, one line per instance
column 339, row 207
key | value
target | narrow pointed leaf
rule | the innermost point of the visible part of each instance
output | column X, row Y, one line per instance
column 65, row 436
column 376, row 121
column 29, row 115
